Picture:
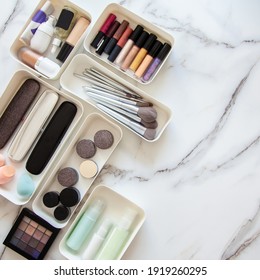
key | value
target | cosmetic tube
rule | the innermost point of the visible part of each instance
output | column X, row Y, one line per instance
column 134, row 50
column 102, row 44
column 7, row 173
column 2, row 160
column 63, row 27
column 96, row 240
column 103, row 30
column 116, row 238
column 120, row 44
column 39, row 17
column 113, row 41
column 129, row 44
column 142, row 52
column 43, row 35
column 156, row 62
column 148, row 59
column 74, row 36
column 40, row 63
column 85, row 225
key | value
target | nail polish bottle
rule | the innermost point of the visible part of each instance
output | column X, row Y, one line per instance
column 134, row 50
column 148, row 59
column 85, row 225
column 40, row 63
column 43, row 35
column 156, row 62
column 142, row 52
column 116, row 238
column 7, row 173
column 63, row 27
column 129, row 44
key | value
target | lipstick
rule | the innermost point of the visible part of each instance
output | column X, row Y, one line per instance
column 129, row 44
column 103, row 30
column 142, row 52
column 120, row 44
column 112, row 42
column 134, row 50
column 148, row 59
column 157, row 61
column 77, row 31
column 102, row 44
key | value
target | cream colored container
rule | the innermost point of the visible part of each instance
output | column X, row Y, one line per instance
column 75, row 85
column 93, row 123
column 18, row 44
column 115, row 208
column 133, row 19
column 9, row 190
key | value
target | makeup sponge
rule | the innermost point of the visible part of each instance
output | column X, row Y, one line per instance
column 16, row 109
column 68, row 177
column 25, row 185
column 103, row 139
column 86, row 148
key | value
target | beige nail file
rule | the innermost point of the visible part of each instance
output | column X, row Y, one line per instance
column 32, row 125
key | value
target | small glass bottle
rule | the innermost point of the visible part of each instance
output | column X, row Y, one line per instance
column 63, row 27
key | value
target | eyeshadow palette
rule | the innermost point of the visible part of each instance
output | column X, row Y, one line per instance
column 31, row 236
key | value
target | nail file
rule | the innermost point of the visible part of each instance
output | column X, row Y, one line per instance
column 32, row 125
column 17, row 109
column 51, row 138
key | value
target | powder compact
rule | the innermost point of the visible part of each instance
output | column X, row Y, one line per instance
column 31, row 236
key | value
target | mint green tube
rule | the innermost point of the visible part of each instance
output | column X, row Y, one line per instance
column 85, row 225
column 116, row 238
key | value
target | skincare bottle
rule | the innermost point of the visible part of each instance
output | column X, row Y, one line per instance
column 116, row 238
column 97, row 240
column 7, row 173
column 63, row 27
column 85, row 225
column 39, row 17
column 40, row 63
column 42, row 37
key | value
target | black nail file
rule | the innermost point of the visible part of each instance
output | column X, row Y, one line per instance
column 51, row 137
column 17, row 109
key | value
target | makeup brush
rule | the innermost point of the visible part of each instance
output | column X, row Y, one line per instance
column 95, row 83
column 108, row 94
column 147, row 133
column 129, row 115
column 148, row 114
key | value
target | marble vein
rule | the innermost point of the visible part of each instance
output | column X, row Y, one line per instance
column 11, row 17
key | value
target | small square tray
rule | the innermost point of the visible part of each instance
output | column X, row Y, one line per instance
column 93, row 123
column 115, row 208
column 58, row 5
column 121, row 14
column 9, row 190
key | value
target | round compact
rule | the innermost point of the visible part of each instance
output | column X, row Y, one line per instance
column 103, row 139
column 68, row 177
column 69, row 197
column 51, row 199
column 88, row 169
column 86, row 148
column 61, row 213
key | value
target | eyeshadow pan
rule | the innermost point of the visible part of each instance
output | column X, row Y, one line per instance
column 31, row 236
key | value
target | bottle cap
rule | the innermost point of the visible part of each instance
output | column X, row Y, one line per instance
column 47, row 67
column 136, row 33
column 164, row 51
column 48, row 26
column 150, row 41
column 155, row 48
column 127, row 219
column 141, row 40
column 104, row 228
column 65, row 18
column 95, row 209
column 56, row 43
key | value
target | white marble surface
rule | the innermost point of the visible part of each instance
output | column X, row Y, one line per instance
column 200, row 183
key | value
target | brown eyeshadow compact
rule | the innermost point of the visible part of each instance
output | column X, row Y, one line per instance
column 31, row 236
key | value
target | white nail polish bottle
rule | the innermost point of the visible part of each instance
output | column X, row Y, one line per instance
column 43, row 35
